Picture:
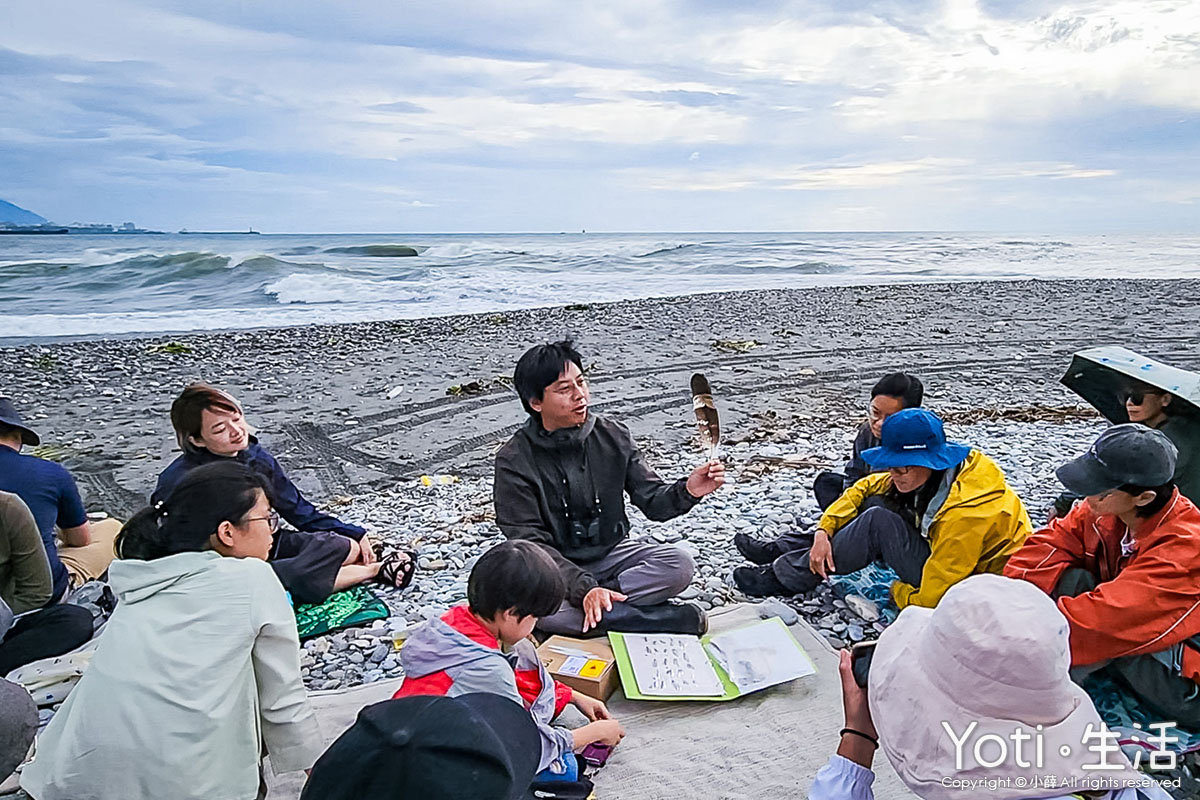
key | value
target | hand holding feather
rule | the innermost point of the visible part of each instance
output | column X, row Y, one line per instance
column 710, row 476
column 706, row 479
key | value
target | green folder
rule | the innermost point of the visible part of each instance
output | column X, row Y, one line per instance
column 629, row 680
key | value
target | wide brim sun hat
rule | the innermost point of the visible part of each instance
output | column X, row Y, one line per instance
column 991, row 660
column 914, row 437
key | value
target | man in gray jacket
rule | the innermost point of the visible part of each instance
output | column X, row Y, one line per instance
column 561, row 482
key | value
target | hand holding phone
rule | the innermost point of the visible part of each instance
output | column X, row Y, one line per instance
column 860, row 661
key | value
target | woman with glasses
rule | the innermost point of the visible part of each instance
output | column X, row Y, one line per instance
column 323, row 554
column 950, row 513
column 1155, row 408
column 198, row 670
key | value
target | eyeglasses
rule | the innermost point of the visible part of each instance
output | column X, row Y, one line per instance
column 900, row 471
column 272, row 520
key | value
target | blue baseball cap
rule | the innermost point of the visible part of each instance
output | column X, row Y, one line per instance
column 915, row 437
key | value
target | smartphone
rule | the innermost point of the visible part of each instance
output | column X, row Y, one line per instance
column 860, row 661
column 595, row 754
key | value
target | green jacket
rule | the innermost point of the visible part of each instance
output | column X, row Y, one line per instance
column 25, row 582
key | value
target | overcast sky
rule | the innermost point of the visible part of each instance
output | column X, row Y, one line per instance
column 637, row 115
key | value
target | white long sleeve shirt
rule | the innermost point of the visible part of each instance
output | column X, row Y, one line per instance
column 198, row 668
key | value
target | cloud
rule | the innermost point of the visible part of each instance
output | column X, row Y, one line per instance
column 531, row 117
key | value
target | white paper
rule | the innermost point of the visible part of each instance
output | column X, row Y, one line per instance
column 670, row 665
column 573, row 665
column 759, row 656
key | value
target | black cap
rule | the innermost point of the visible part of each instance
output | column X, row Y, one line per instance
column 1123, row 454
column 10, row 417
column 479, row 746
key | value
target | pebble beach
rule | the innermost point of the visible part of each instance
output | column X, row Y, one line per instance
column 393, row 425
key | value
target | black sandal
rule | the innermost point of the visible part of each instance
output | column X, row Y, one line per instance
column 398, row 569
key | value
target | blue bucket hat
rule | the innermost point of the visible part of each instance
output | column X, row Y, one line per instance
column 914, row 437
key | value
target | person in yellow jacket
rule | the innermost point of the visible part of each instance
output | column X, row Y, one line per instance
column 940, row 513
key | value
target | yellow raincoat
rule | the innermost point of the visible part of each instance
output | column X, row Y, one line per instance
column 975, row 529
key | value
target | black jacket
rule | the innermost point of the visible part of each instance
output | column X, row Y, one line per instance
column 551, row 487
column 856, row 467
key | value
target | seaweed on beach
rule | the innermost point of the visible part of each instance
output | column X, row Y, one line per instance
column 735, row 345
column 1021, row 414
column 171, row 349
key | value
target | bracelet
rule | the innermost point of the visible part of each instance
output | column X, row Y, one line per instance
column 866, row 736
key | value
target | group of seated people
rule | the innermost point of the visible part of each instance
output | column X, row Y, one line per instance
column 48, row 547
column 199, row 664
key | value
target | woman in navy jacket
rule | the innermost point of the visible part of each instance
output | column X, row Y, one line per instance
column 323, row 554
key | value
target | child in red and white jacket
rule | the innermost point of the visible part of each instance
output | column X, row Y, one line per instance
column 483, row 647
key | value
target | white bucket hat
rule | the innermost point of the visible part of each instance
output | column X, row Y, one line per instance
column 994, row 653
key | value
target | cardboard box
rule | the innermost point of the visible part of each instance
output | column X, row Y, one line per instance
column 591, row 670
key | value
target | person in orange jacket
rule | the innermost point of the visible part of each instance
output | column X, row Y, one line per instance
column 1124, row 567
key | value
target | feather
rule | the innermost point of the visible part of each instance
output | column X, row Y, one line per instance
column 706, row 414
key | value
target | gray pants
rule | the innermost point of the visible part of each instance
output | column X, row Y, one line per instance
column 1173, row 697
column 876, row 534
column 647, row 574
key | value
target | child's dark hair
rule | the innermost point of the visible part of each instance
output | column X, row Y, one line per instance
column 540, row 367
column 515, row 575
column 188, row 410
column 1162, row 496
column 192, row 512
column 899, row 384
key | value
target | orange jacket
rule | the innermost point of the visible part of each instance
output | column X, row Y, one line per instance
column 1146, row 602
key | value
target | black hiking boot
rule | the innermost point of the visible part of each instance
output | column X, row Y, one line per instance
column 755, row 551
column 759, row 582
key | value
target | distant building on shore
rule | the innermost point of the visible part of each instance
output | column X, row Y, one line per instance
column 91, row 229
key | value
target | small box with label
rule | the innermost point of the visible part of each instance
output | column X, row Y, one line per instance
column 586, row 665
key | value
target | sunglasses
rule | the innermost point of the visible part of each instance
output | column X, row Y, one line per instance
column 1137, row 396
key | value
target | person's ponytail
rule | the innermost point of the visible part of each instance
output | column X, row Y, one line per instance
column 142, row 537
column 186, row 518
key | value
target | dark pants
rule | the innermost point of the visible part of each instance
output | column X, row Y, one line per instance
column 1173, row 697
column 828, row 487
column 307, row 564
column 44, row 634
column 647, row 574
column 876, row 534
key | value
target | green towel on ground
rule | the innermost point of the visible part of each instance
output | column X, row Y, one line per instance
column 342, row 610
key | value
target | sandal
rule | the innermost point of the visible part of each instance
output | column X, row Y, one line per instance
column 398, row 569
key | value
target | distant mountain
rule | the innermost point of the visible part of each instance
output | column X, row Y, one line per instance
column 18, row 216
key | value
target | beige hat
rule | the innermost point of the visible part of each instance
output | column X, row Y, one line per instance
column 951, row 686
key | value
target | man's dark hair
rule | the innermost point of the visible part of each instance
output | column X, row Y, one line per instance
column 517, row 575
column 1162, row 496
column 7, row 430
column 899, row 384
column 540, row 367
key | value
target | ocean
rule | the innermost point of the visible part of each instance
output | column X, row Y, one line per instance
column 85, row 286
